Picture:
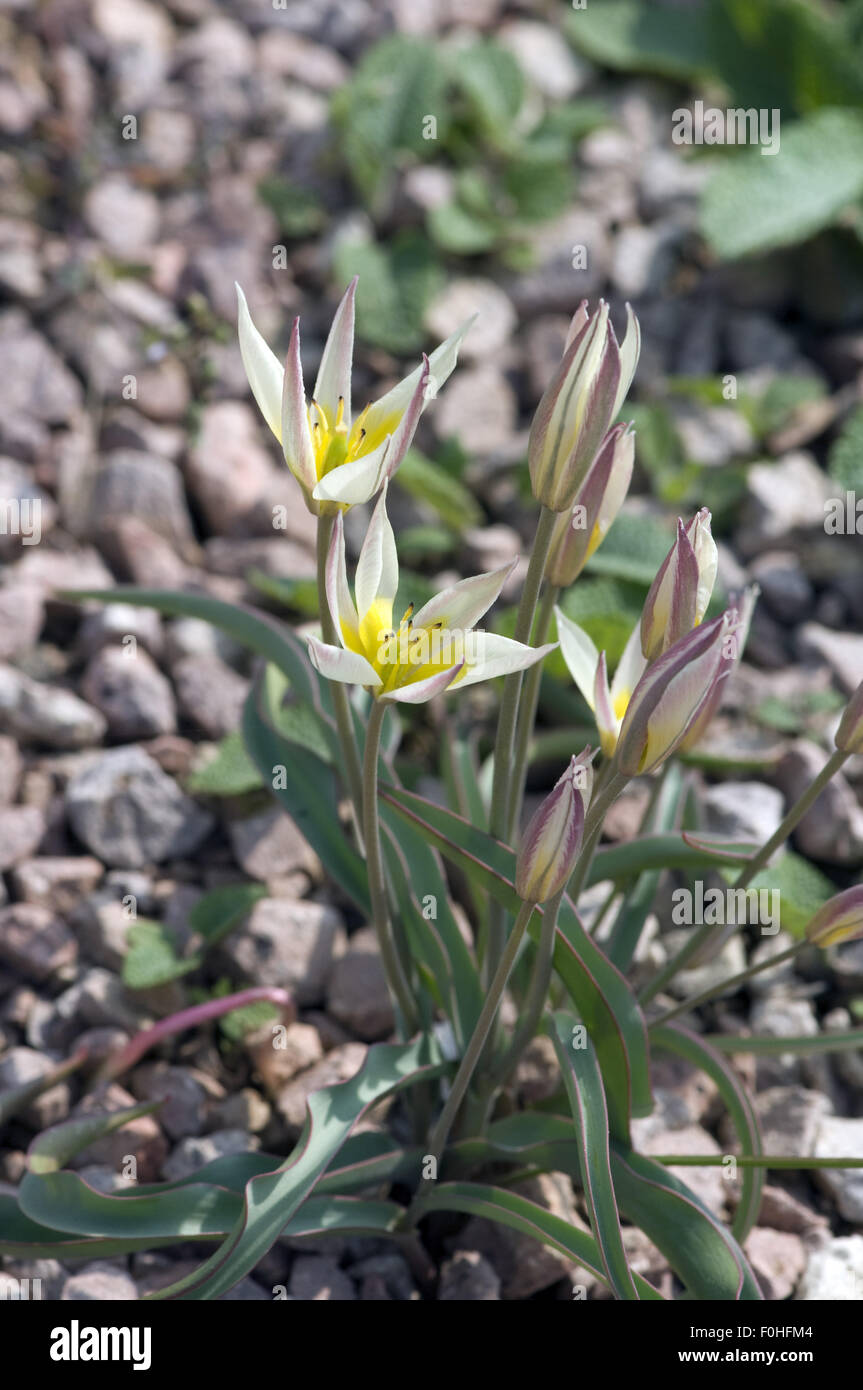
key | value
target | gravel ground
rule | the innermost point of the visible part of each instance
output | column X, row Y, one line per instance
column 124, row 412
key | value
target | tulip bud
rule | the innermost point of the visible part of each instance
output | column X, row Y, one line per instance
column 580, row 404
column 673, row 692
column 840, row 919
column 745, row 605
column 553, row 838
column 579, row 532
column 680, row 593
column 849, row 735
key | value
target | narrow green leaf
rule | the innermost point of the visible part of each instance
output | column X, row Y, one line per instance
column 583, row 1080
column 802, row 1045
column 258, row 632
column 528, row 1218
column 305, row 788
column 53, row 1148
column 705, row 1256
column 674, row 1039
column 273, row 1198
column 602, row 996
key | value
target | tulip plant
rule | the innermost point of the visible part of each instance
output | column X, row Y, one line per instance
column 323, row 723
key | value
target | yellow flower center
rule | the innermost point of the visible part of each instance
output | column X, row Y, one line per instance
column 405, row 655
column 334, row 444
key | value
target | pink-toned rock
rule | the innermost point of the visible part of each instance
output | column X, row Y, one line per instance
column 35, row 942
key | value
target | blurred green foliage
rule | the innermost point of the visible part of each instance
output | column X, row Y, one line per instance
column 801, row 58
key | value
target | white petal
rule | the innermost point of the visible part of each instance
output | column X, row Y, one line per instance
column 354, row 482
column 334, row 374
column 377, row 573
column 580, row 654
column 417, row 692
column 441, row 364
column 462, row 605
column 339, row 665
column 263, row 368
column 631, row 666
column 296, row 435
column 630, row 350
column 498, row 656
column 338, row 593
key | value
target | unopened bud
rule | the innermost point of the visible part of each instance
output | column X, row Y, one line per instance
column 840, row 919
column 849, row 735
column 579, row 406
column 553, row 838
column 681, row 591
column 580, row 531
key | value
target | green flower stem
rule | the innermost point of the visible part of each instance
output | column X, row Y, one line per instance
column 796, row 814
column 753, row 1161
column 607, row 789
column 528, row 708
column 503, row 746
column 494, row 994
column 537, row 995
column 390, row 959
column 747, row 873
column 341, row 702
column 726, row 986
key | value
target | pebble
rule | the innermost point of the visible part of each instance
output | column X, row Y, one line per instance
column 778, row 1259
column 228, row 468
column 47, row 714
column 35, row 942
column 22, row 1065
column 342, row 1063
column 357, row 994
column 785, row 500
column 468, row 1277
column 743, row 810
column 316, row 1278
column 840, row 1137
column 288, row 944
column 125, row 218
column 210, row 694
column 21, row 829
column 56, row 883
column 832, row 830
column 790, row 1118
column 140, row 1139
column 196, row 1150
column 545, row 58
column 834, row 1272
column 129, row 813
column 22, row 615
column 131, row 692
column 491, row 331
column 479, row 407
column 99, row 1283
column 269, row 847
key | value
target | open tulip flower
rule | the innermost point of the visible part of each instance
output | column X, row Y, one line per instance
column 436, row 649
column 337, row 460
column 589, row 670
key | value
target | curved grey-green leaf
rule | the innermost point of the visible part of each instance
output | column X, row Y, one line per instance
column 696, row 1244
column 672, row 1038
column 272, row 1199
column 528, row 1218
column 583, row 1080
